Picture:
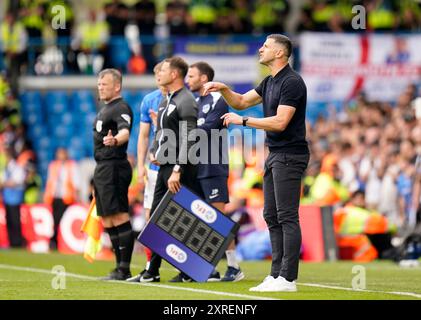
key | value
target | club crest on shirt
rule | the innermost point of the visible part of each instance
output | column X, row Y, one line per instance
column 99, row 125
column 126, row 117
column 171, row 108
column 200, row 121
column 206, row 108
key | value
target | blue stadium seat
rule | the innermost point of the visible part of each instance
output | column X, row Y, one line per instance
column 31, row 97
column 119, row 61
column 126, row 94
column 57, row 107
column 37, row 132
column 61, row 133
column 83, row 101
column 43, row 144
column 83, row 95
column 76, row 153
column 84, row 107
column 34, row 119
column 29, row 108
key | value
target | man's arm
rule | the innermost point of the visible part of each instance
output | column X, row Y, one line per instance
column 120, row 138
column 142, row 149
column 279, row 122
column 234, row 99
column 416, row 191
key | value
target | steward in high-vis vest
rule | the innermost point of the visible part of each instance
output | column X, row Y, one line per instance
column 32, row 14
column 90, row 42
column 13, row 43
column 354, row 225
column 62, row 187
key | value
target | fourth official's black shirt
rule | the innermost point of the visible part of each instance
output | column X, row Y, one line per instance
column 285, row 88
column 113, row 116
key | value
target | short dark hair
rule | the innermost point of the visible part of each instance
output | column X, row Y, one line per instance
column 178, row 64
column 204, row 68
column 283, row 40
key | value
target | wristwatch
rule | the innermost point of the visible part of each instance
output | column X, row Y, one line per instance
column 245, row 119
column 176, row 168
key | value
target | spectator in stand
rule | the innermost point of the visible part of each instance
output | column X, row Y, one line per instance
column 145, row 17
column 31, row 13
column 117, row 16
column 204, row 14
column 179, row 21
column 241, row 16
column 381, row 14
column 13, row 186
column 90, row 43
column 270, row 16
column 14, row 39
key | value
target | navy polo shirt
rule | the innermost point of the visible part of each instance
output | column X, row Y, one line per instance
column 211, row 109
column 285, row 88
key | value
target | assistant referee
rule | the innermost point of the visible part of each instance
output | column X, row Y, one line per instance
column 113, row 172
column 284, row 97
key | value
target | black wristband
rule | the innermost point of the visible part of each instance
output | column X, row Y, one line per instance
column 245, row 119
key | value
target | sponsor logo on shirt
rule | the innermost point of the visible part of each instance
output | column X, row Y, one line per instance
column 214, row 194
column 200, row 121
column 99, row 126
column 206, row 108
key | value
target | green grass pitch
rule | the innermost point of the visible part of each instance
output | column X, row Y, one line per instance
column 25, row 275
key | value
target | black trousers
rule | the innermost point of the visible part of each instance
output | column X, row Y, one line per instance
column 14, row 228
column 58, row 210
column 188, row 179
column 281, row 187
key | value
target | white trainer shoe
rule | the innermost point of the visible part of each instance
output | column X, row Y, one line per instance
column 265, row 282
column 280, row 284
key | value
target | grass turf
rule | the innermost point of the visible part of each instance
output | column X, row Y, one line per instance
column 315, row 281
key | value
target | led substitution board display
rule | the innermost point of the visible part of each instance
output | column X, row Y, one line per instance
column 188, row 233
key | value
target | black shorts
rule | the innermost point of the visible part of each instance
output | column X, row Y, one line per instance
column 215, row 189
column 111, row 182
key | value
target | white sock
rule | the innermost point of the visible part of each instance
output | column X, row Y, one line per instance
column 147, row 265
column 232, row 259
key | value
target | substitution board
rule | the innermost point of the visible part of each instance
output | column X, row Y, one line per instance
column 189, row 233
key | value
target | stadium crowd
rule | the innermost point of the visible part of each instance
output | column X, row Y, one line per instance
column 90, row 34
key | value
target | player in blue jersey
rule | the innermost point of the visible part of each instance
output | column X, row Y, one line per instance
column 147, row 171
column 213, row 177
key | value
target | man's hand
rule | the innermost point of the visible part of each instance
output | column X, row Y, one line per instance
column 142, row 177
column 174, row 184
column 109, row 140
column 232, row 118
column 153, row 160
column 213, row 87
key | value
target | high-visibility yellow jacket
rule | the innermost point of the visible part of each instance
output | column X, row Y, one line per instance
column 11, row 37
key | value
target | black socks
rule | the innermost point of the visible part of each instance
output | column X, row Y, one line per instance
column 113, row 232
column 126, row 244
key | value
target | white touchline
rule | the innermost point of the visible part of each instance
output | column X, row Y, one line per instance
column 80, row 276
column 416, row 295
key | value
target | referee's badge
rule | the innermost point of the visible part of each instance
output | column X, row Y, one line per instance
column 206, row 108
column 126, row 117
column 99, row 125
column 171, row 108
